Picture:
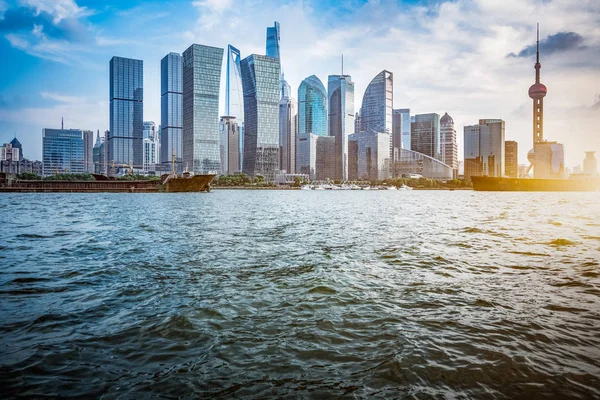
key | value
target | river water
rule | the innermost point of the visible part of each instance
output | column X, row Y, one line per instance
column 442, row 294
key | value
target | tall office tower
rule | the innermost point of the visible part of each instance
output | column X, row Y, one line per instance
column 63, row 151
column 171, row 111
column 484, row 148
column 288, row 117
column 324, row 162
column 448, row 144
column 340, row 90
column 314, row 156
column 234, row 95
column 88, row 151
column 99, row 155
column 201, row 84
column 312, row 107
column 372, row 155
column 401, row 126
column 150, row 131
column 286, row 89
column 230, row 145
column 377, row 107
column 260, row 79
column 124, row 145
column 511, row 159
column 15, row 144
column 425, row 135
column 590, row 164
column 273, row 40
column 357, row 122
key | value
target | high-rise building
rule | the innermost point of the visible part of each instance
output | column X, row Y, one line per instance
column 10, row 153
column 171, row 111
column 16, row 145
column 288, row 118
column 373, row 155
column 590, row 164
column 88, row 151
column 201, row 85
column 273, row 40
column 313, row 156
column 312, row 107
column 425, row 135
column 448, row 144
column 511, row 159
column 376, row 109
column 99, row 155
column 260, row 79
column 230, row 145
column 234, row 95
column 340, row 89
column 125, row 143
column 63, row 151
column 484, row 148
column 400, row 130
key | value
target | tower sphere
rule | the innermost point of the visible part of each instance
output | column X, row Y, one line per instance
column 538, row 91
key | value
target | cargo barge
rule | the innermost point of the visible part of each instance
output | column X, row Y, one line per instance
column 104, row 184
column 491, row 184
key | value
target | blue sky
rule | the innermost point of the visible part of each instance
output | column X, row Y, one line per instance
column 470, row 58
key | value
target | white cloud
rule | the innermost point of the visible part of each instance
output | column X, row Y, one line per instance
column 59, row 9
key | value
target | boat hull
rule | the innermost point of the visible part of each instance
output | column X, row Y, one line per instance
column 491, row 184
column 196, row 183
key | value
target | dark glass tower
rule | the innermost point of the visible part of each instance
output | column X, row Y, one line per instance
column 171, row 110
column 125, row 143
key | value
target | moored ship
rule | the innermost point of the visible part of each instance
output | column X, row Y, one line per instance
column 488, row 183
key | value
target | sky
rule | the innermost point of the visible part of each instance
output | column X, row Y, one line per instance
column 471, row 58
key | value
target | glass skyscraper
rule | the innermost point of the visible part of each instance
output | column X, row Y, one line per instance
column 234, row 94
column 201, row 83
column 273, row 40
column 484, row 148
column 125, row 142
column 340, row 89
column 260, row 79
column 171, row 110
column 376, row 109
column 312, row 107
column 425, row 135
column 288, row 117
column 63, row 151
column 401, row 129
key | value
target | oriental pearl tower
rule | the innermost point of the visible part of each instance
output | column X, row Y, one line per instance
column 537, row 92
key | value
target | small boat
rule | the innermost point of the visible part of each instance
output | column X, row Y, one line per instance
column 392, row 188
column 318, row 187
column 404, row 187
column 305, row 187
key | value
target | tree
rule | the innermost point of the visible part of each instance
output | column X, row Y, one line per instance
column 29, row 176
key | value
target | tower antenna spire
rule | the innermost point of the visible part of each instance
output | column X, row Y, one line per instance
column 342, row 64
column 537, row 55
column 62, row 123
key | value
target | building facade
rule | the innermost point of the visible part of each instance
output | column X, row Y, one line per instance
column 484, row 148
column 590, row 164
column 88, row 154
column 201, row 85
column 63, row 151
column 288, row 119
column 273, row 37
column 511, row 159
column 312, row 107
column 425, row 135
column 411, row 163
column 230, row 145
column 171, row 112
column 340, row 89
column 377, row 104
column 373, row 155
column 448, row 143
column 400, row 131
column 313, row 156
column 260, row 80
column 99, row 154
column 125, row 143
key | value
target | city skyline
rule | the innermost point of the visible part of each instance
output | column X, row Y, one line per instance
column 481, row 78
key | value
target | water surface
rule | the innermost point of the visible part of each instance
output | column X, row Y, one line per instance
column 300, row 294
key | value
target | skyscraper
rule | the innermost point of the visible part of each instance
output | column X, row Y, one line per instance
column 376, row 109
column 171, row 111
column 260, row 79
column 63, row 151
column 99, row 155
column 312, row 107
column 230, row 145
column 201, row 83
column 511, row 159
column 373, row 155
column 400, row 130
column 234, row 95
column 288, row 118
column 484, row 148
column 124, row 145
column 448, row 144
column 425, row 135
column 340, row 90
column 273, row 40
column 590, row 164
column 88, row 151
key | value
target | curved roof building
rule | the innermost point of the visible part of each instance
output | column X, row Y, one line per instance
column 415, row 163
column 312, row 107
column 377, row 103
